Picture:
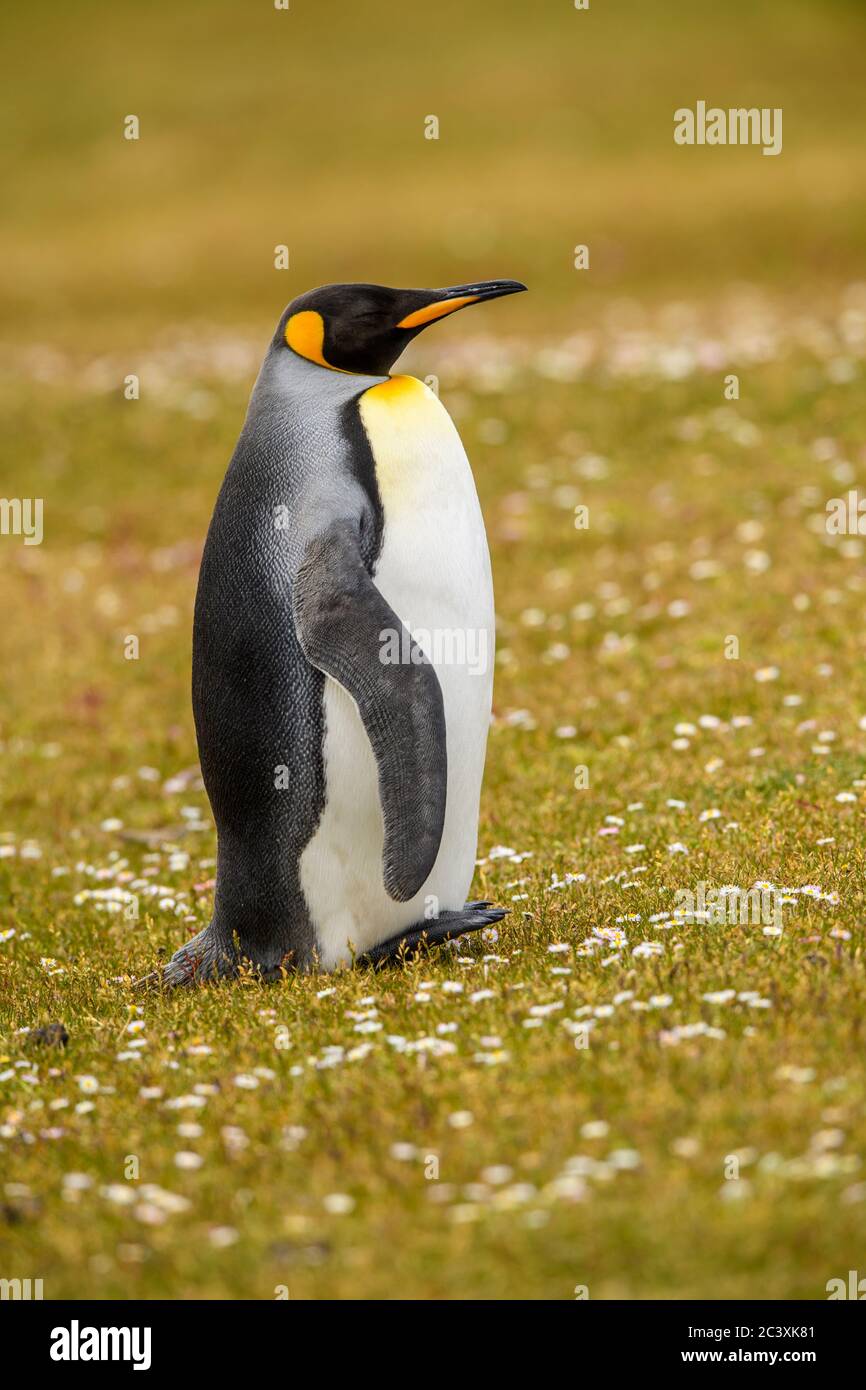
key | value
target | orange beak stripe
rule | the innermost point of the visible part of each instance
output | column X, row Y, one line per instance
column 436, row 311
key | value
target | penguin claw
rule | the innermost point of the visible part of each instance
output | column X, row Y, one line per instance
column 206, row 958
column 151, row 981
column 200, row 959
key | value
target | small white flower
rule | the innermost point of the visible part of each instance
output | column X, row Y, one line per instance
column 404, row 1153
column 186, row 1159
column 221, row 1237
column 338, row 1203
column 461, row 1119
column 118, row 1193
column 76, row 1182
column 624, row 1158
column 648, row 948
column 497, row 1174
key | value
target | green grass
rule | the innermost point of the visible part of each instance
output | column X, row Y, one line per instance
column 79, row 721
column 706, row 522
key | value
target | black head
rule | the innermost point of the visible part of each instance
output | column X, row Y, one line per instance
column 364, row 328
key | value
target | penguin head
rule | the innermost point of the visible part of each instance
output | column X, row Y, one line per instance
column 364, row 328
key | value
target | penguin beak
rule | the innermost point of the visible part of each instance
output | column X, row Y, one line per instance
column 435, row 304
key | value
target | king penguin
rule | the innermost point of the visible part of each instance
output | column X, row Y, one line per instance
column 344, row 780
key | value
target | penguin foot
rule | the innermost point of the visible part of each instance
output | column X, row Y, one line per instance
column 202, row 958
column 446, row 927
column 207, row 957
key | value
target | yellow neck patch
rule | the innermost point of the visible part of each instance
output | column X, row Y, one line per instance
column 396, row 389
column 411, row 437
column 305, row 335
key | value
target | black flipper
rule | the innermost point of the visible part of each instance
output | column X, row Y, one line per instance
column 445, row 927
column 342, row 622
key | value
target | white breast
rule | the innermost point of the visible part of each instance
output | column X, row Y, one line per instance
column 434, row 571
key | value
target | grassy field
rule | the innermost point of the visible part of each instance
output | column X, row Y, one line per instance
column 611, row 1093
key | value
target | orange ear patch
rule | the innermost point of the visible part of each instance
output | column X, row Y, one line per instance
column 305, row 335
column 436, row 311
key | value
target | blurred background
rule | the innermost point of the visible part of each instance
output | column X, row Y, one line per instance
column 305, row 127
column 605, row 388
